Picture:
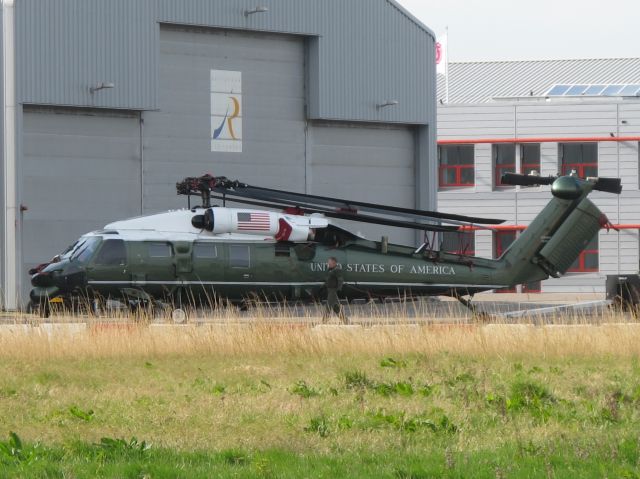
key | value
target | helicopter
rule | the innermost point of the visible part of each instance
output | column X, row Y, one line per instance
column 277, row 248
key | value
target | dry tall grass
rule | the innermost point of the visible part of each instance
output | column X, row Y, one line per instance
column 610, row 337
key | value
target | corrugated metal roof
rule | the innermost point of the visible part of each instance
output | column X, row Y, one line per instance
column 481, row 82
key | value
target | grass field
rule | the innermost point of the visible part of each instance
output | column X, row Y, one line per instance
column 494, row 401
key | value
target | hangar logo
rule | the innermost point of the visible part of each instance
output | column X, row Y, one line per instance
column 226, row 111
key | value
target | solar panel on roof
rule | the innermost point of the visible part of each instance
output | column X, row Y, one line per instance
column 594, row 90
column 558, row 90
column 629, row 90
column 611, row 90
column 576, row 90
column 626, row 89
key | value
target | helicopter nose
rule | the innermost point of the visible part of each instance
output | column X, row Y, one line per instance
column 42, row 279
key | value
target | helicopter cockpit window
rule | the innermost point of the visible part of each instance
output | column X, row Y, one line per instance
column 239, row 256
column 202, row 250
column 112, row 252
column 159, row 250
column 85, row 249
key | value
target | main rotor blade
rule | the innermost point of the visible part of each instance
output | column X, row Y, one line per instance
column 342, row 204
column 343, row 216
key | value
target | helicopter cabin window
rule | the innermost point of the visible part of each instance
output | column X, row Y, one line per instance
column 85, row 249
column 202, row 250
column 456, row 165
column 581, row 157
column 239, row 256
column 504, row 161
column 159, row 250
column 588, row 261
column 282, row 250
column 112, row 253
column 463, row 243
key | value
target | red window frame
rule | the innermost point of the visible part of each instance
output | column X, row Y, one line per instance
column 582, row 262
column 579, row 167
column 458, row 169
column 500, row 168
column 465, row 246
column 529, row 166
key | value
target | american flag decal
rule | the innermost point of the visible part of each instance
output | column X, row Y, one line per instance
column 254, row 222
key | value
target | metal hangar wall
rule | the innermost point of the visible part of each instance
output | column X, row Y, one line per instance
column 116, row 101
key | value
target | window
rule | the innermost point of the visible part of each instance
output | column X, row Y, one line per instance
column 282, row 250
column 504, row 161
column 85, row 249
column 529, row 158
column 202, row 250
column 588, row 261
column 581, row 157
column 459, row 243
column 501, row 242
column 112, row 253
column 159, row 250
column 456, row 165
column 239, row 256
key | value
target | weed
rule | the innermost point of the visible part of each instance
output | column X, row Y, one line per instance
column 8, row 392
column 265, row 383
column 528, row 395
column 234, row 457
column 218, row 388
column 403, row 474
column 345, row 423
column 76, row 412
column 392, row 363
column 13, row 451
column 426, row 390
column 302, row 389
column 319, row 425
column 357, row 380
column 120, row 446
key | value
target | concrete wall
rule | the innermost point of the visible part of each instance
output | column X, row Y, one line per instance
column 619, row 252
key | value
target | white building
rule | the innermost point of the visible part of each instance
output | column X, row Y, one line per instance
column 551, row 116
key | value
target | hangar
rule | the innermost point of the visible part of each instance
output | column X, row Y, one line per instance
column 107, row 104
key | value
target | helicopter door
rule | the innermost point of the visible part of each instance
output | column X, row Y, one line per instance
column 109, row 271
column 184, row 264
column 238, row 270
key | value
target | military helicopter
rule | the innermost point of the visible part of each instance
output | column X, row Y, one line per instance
column 278, row 249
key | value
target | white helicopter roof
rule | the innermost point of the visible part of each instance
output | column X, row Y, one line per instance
column 176, row 225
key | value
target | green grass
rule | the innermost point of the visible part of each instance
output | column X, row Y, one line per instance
column 312, row 415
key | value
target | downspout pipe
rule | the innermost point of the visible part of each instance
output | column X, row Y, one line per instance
column 9, row 286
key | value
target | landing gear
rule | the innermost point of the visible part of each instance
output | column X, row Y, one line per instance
column 40, row 308
column 478, row 315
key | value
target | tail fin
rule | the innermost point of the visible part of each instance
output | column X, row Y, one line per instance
column 557, row 236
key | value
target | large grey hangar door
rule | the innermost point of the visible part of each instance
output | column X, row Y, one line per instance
column 253, row 82
column 81, row 170
column 366, row 163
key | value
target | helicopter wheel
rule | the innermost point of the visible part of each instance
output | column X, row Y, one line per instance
column 178, row 313
column 40, row 308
